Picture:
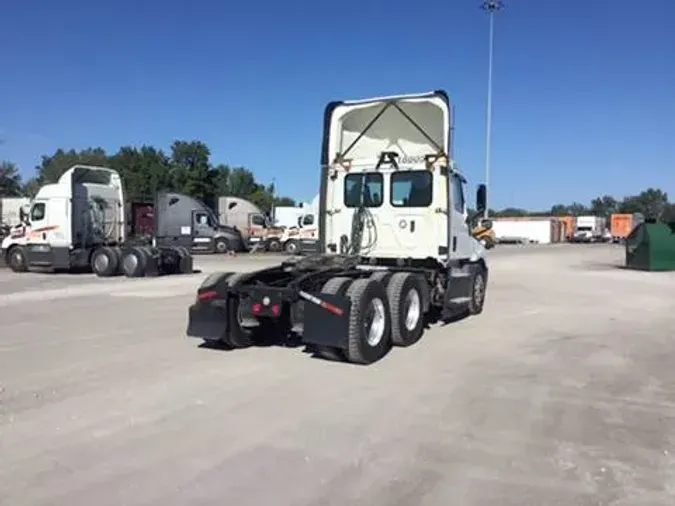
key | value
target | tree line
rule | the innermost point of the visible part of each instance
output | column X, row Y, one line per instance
column 186, row 168
column 652, row 203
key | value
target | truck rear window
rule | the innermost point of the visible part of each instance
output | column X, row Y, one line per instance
column 364, row 188
column 411, row 189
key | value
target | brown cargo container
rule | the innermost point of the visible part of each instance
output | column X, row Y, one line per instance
column 621, row 225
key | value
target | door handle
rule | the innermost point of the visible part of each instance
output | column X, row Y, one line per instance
column 412, row 226
column 44, row 236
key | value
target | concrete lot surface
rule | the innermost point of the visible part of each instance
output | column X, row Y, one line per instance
column 561, row 393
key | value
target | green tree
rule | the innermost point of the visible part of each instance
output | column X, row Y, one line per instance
column 52, row 167
column 651, row 202
column 144, row 171
column 604, row 206
column 10, row 180
column 191, row 170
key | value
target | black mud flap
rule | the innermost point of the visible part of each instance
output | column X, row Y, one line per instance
column 208, row 321
column 327, row 324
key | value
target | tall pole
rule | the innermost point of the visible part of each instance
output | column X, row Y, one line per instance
column 490, row 6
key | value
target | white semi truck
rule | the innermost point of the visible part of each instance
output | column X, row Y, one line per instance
column 79, row 223
column 395, row 244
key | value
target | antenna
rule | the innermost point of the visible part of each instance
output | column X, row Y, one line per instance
column 490, row 6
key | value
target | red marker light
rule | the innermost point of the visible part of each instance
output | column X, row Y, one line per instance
column 276, row 309
column 256, row 308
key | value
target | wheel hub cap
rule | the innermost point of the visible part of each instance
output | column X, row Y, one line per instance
column 374, row 322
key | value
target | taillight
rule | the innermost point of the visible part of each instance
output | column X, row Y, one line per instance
column 256, row 308
column 207, row 295
column 276, row 309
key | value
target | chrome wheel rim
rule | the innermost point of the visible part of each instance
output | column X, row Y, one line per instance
column 413, row 311
column 374, row 322
column 101, row 263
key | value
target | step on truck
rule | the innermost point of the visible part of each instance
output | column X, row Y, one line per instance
column 78, row 223
column 396, row 248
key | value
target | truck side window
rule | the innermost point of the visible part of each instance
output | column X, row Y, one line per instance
column 257, row 220
column 308, row 220
column 364, row 188
column 457, row 194
column 411, row 189
column 38, row 212
column 202, row 219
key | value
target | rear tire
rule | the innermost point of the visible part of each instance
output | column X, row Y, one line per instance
column 134, row 262
column 274, row 245
column 369, row 322
column 406, row 301
column 104, row 262
column 16, row 259
column 334, row 286
column 238, row 336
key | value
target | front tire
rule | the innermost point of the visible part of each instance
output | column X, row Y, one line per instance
column 222, row 245
column 369, row 337
column 477, row 293
column 16, row 259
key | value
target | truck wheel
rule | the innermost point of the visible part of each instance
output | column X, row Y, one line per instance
column 238, row 335
column 274, row 245
column 16, row 259
column 477, row 293
column 291, row 247
column 369, row 322
column 334, row 286
column 407, row 309
column 222, row 245
column 133, row 262
column 104, row 262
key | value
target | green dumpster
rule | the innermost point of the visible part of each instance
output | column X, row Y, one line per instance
column 651, row 247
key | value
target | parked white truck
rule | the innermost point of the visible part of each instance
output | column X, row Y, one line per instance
column 395, row 244
column 590, row 229
column 79, row 223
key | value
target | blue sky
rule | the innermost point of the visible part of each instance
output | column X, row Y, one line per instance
column 583, row 89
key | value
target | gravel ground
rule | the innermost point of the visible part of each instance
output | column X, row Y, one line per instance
column 558, row 394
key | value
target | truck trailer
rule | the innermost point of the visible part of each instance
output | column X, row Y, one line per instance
column 396, row 248
column 78, row 223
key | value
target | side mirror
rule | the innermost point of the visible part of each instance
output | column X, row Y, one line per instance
column 481, row 198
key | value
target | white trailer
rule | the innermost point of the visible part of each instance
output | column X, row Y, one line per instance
column 527, row 231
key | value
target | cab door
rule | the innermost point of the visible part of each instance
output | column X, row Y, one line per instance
column 202, row 232
column 39, row 251
column 460, row 235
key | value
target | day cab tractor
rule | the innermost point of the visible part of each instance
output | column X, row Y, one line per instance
column 396, row 248
column 78, row 223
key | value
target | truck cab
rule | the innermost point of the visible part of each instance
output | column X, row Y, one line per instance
column 394, row 176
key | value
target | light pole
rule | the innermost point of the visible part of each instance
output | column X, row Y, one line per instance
column 490, row 6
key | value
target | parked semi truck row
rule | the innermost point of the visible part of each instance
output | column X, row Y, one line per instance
column 395, row 244
column 80, row 223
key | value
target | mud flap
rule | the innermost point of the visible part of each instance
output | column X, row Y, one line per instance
column 324, row 325
column 208, row 321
